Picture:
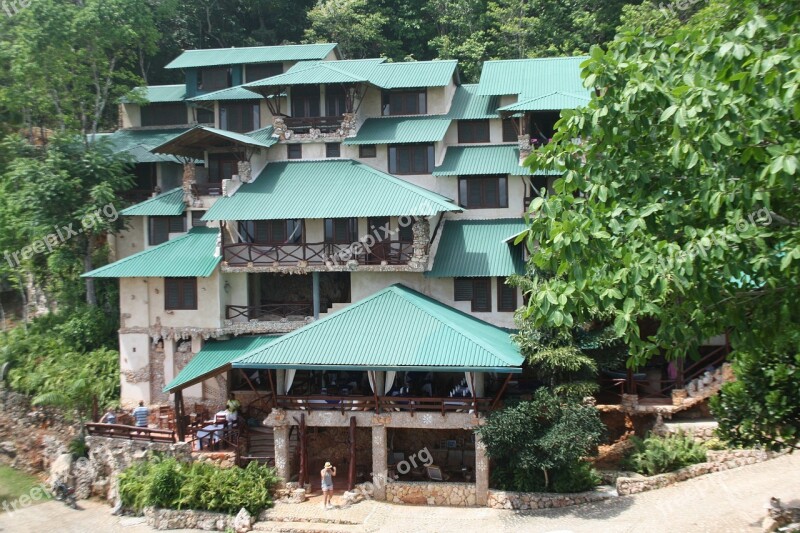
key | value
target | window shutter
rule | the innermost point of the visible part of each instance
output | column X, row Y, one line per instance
column 506, row 296
column 492, row 197
column 481, row 295
column 509, row 131
column 392, row 160
column 462, row 289
column 474, row 192
column 171, row 293
column 159, row 230
column 176, row 224
column 278, row 230
column 502, row 191
column 189, row 293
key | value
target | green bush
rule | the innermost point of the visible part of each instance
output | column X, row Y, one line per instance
column 657, row 455
column 78, row 448
column 201, row 486
column 578, row 477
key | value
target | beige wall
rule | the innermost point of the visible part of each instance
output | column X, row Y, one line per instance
column 134, row 358
column 363, row 284
column 130, row 115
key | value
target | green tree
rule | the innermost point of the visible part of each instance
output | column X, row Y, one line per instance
column 540, row 437
column 460, row 34
column 357, row 28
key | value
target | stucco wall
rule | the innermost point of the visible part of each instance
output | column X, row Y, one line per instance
column 143, row 300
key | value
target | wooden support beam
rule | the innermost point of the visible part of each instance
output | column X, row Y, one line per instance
column 375, row 392
column 500, row 392
column 351, row 471
column 272, row 386
column 474, row 393
column 179, row 416
column 302, row 476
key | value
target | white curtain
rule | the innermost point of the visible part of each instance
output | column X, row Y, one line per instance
column 371, row 377
column 469, row 382
column 390, row 374
column 289, row 377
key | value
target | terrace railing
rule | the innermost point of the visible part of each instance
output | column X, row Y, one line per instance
column 323, row 124
column 385, row 404
column 245, row 253
column 267, row 311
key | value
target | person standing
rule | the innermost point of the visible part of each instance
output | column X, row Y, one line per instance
column 140, row 415
column 232, row 408
column 327, row 474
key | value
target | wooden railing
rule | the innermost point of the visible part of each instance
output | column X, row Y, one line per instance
column 323, row 124
column 207, row 189
column 245, row 253
column 327, row 403
column 137, row 195
column 119, row 431
column 384, row 403
column 261, row 312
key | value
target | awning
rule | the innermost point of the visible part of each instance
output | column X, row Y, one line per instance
column 481, row 160
column 396, row 328
column 398, row 130
column 478, row 248
column 166, row 204
column 197, row 140
column 215, row 357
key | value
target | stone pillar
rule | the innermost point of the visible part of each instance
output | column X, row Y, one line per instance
column 245, row 171
column 280, row 128
column 348, row 127
column 282, row 464
column 169, row 360
column 380, row 465
column 419, row 255
column 188, row 178
column 380, row 383
column 524, row 144
column 678, row 396
column 630, row 401
column 481, row 472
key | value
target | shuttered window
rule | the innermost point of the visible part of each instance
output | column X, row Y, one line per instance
column 483, row 192
column 240, row 117
column 180, row 293
column 411, row 159
column 405, row 102
column 305, row 101
column 473, row 131
column 506, row 296
column 213, row 79
column 197, row 219
column 475, row 290
column 509, row 131
column 335, row 101
column 367, row 150
column 294, row 151
column 341, row 230
column 161, row 227
column 262, row 70
column 164, row 114
column 333, row 149
column 271, row 231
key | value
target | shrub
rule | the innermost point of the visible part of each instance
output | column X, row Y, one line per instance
column 657, row 455
column 578, row 477
column 201, row 486
column 78, row 448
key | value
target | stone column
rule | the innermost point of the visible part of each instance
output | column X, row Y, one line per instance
column 419, row 255
column 188, row 178
column 524, row 144
column 380, row 465
column 245, row 171
column 481, row 472
column 169, row 360
column 282, row 465
column 678, row 397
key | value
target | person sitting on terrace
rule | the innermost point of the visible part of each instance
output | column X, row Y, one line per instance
column 110, row 417
column 233, row 406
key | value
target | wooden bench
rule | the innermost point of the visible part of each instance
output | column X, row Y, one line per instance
column 119, row 431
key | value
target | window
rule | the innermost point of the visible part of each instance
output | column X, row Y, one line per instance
column 213, row 79
column 204, row 116
column 406, row 227
column 483, row 192
column 367, row 150
column 411, row 159
column 405, row 102
column 294, row 151
column 164, row 114
column 271, row 231
column 509, row 130
column 341, row 230
column 221, row 167
column 475, row 290
column 240, row 116
column 506, row 296
column 262, row 70
column 197, row 221
column 333, row 150
column 473, row 131
column 305, row 101
column 161, row 227
column 180, row 293
column 335, row 101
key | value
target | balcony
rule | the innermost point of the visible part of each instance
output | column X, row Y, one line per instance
column 317, row 254
column 269, row 312
column 206, row 189
column 305, row 124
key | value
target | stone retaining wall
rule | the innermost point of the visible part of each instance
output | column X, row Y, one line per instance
column 426, row 493
column 219, row 459
column 499, row 499
column 164, row 519
column 717, row 461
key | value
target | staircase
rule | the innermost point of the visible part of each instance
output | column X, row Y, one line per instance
column 334, row 307
column 261, row 446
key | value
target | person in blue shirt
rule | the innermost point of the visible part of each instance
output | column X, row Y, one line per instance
column 140, row 415
column 110, row 417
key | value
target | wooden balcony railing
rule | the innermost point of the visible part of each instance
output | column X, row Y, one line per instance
column 323, row 124
column 384, row 404
column 243, row 253
column 268, row 311
column 207, row 189
column 120, row 431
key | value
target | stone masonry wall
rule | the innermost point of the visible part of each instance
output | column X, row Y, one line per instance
column 499, row 499
column 424, row 493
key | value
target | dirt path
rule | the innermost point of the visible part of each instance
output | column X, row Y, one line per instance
column 723, row 502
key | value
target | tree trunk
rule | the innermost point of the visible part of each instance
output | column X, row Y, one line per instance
column 91, row 295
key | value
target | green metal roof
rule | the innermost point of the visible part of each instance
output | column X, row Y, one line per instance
column 138, row 143
column 326, row 189
column 488, row 159
column 194, row 142
column 264, row 135
column 155, row 94
column 411, row 74
column 188, row 256
column 469, row 105
column 411, row 129
column 532, row 78
column 395, row 328
column 231, row 93
column 215, row 357
column 252, row 54
column 166, row 204
column 550, row 102
column 478, row 248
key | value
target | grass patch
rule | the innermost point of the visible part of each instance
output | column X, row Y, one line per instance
column 14, row 484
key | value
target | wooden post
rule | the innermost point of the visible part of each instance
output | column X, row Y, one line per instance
column 272, row 386
column 500, row 393
column 315, row 293
column 375, row 392
column 302, row 476
column 474, row 393
column 351, row 472
column 179, row 418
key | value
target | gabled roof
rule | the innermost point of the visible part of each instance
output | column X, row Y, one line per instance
column 264, row 135
column 138, row 143
column 194, row 142
column 475, row 160
column 411, row 74
column 533, row 78
column 478, row 248
column 188, row 256
column 406, row 129
column 469, row 105
column 168, row 203
column 215, row 357
column 395, row 328
column 253, row 54
column 159, row 93
column 550, row 102
column 331, row 188
column 231, row 93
